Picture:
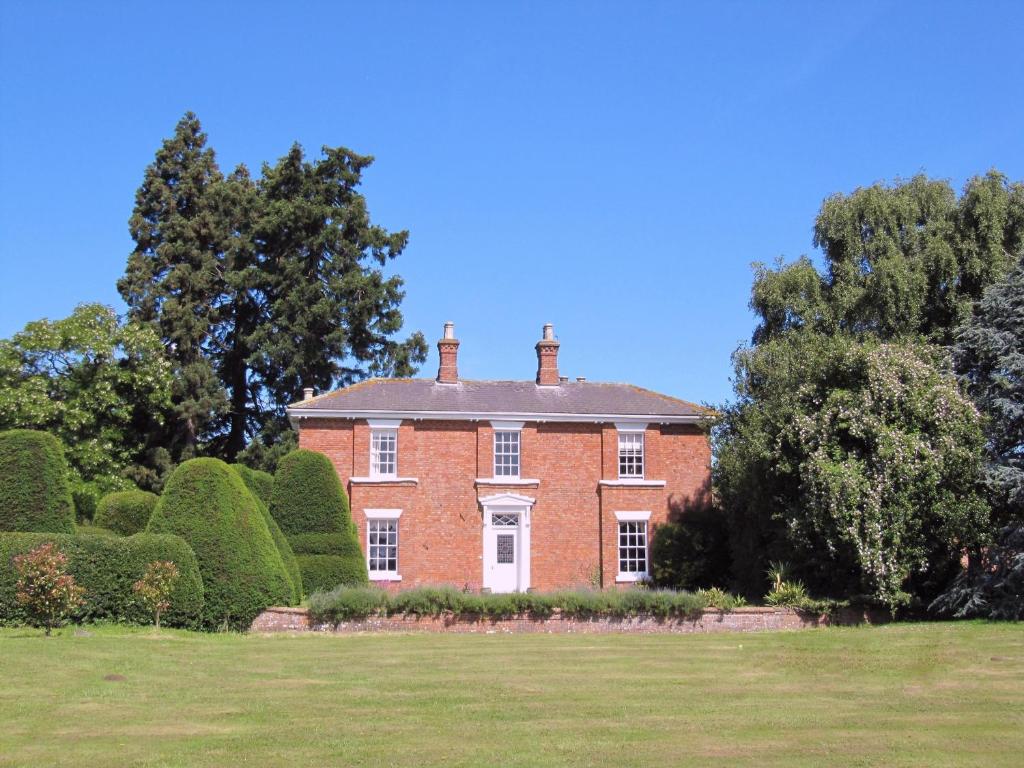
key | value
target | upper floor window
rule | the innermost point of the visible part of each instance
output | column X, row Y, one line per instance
column 506, row 453
column 631, row 454
column 384, row 452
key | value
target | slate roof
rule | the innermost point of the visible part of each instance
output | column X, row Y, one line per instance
column 499, row 397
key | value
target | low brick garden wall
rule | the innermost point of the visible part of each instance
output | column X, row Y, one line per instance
column 711, row 620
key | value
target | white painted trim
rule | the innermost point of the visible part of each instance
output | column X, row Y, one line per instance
column 634, row 483
column 629, row 578
column 507, row 500
column 382, row 514
column 384, row 576
column 628, row 426
column 384, row 480
column 508, row 426
column 298, row 412
column 632, row 517
column 384, row 423
column 506, row 481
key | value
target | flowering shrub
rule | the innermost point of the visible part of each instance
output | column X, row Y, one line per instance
column 154, row 589
column 44, row 588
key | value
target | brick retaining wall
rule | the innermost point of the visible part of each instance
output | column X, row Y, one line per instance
column 711, row 620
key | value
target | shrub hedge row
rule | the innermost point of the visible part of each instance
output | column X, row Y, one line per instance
column 34, row 490
column 107, row 567
column 207, row 504
column 345, row 603
column 125, row 512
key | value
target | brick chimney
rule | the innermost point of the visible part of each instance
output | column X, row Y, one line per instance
column 448, row 349
column 547, row 358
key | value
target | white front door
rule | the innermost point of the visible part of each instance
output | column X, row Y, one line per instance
column 504, row 556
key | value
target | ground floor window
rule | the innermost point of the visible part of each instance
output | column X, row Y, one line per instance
column 382, row 544
column 632, row 545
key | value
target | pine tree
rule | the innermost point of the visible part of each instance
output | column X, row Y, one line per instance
column 174, row 277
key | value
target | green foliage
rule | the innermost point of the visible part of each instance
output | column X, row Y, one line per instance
column 208, row 505
column 312, row 509
column 901, row 260
column 106, row 567
column 85, row 497
column 990, row 358
column 792, row 594
column 259, row 287
column 992, row 586
column 857, row 461
column 260, row 484
column 308, row 497
column 346, row 603
column 94, row 382
column 691, row 552
column 34, row 491
column 44, row 589
column 125, row 512
column 156, row 586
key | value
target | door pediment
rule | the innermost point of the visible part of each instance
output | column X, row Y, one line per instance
column 506, row 500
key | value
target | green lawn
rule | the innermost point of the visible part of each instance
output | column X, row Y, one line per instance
column 913, row 694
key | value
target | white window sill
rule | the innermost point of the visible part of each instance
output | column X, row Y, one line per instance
column 630, row 578
column 506, row 481
column 385, row 480
column 634, row 482
column 384, row 576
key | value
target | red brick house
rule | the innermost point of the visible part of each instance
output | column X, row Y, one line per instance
column 508, row 485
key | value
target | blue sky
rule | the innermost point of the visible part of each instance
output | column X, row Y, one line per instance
column 613, row 168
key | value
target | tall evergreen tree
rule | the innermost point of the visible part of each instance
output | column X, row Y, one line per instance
column 174, row 277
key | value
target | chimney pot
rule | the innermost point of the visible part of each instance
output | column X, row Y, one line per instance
column 448, row 350
column 547, row 359
column 580, row 379
column 307, row 393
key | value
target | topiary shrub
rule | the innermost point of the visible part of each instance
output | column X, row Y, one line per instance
column 107, row 567
column 34, row 490
column 312, row 509
column 125, row 512
column 307, row 495
column 260, row 483
column 208, row 505
column 253, row 481
column 85, row 497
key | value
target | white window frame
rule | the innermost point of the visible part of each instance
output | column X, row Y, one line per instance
column 632, row 518
column 505, row 428
column 383, row 429
column 628, row 436
column 382, row 516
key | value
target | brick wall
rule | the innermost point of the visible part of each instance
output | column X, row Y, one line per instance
column 711, row 620
column 573, row 523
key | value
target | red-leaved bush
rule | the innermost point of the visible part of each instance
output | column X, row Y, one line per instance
column 45, row 589
column 155, row 587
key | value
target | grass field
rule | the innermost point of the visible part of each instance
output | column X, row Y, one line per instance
column 912, row 694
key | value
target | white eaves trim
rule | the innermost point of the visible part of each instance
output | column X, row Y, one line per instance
column 620, row 419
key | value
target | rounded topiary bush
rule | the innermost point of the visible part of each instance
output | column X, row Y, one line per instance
column 307, row 496
column 207, row 504
column 125, row 512
column 260, row 483
column 312, row 509
column 34, row 490
column 255, row 481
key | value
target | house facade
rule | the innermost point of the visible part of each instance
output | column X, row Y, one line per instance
column 508, row 485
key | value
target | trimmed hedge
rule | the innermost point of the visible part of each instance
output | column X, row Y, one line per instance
column 312, row 508
column 125, row 512
column 34, row 490
column 107, row 567
column 291, row 566
column 308, row 497
column 346, row 603
column 207, row 504
column 260, row 483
